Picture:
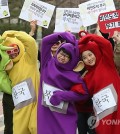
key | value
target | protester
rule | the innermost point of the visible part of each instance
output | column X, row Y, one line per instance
column 57, row 74
column 33, row 33
column 102, row 81
column 25, row 80
column 5, row 83
column 85, row 109
column 7, row 100
column 116, row 38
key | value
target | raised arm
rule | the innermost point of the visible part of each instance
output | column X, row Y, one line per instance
column 28, row 42
column 68, row 96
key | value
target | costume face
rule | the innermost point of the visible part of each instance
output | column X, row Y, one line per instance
column 13, row 53
column 89, row 58
column 62, row 57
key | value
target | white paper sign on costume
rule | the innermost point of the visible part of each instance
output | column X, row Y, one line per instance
column 103, row 100
column 90, row 10
column 68, row 19
column 48, row 92
column 37, row 10
column 20, row 93
column 4, row 9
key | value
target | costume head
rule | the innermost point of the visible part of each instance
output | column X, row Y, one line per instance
column 94, row 48
column 73, row 51
column 9, row 41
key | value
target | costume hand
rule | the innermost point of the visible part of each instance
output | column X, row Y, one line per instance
column 9, row 33
column 68, row 96
column 68, row 37
column 55, row 98
column 95, row 38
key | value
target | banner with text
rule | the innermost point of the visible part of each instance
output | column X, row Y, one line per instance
column 37, row 10
column 68, row 19
column 90, row 10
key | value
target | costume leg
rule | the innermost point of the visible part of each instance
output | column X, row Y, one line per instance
column 21, row 119
column 82, row 124
column 33, row 120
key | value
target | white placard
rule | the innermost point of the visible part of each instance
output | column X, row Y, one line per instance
column 4, row 9
column 68, row 19
column 20, row 93
column 48, row 92
column 37, row 10
column 103, row 100
column 90, row 10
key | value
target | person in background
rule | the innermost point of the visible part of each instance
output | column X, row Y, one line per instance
column 33, row 33
column 116, row 38
column 102, row 81
column 55, row 47
column 57, row 76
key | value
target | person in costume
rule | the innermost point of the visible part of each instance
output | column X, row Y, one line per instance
column 25, row 80
column 55, row 100
column 5, row 84
column 5, row 64
column 85, row 110
column 102, row 81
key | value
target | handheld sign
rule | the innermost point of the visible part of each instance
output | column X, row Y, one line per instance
column 68, row 19
column 109, row 22
column 90, row 10
column 37, row 10
column 4, row 10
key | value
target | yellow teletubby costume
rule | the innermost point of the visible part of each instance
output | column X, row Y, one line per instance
column 25, row 82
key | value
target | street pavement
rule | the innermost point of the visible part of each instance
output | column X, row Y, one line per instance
column 1, row 115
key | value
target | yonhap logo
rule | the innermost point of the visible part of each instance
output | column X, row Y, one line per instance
column 93, row 122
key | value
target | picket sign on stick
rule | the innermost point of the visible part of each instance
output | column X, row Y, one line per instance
column 68, row 19
column 4, row 9
column 90, row 10
column 37, row 10
column 109, row 22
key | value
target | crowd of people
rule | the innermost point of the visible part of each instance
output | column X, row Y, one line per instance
column 77, row 79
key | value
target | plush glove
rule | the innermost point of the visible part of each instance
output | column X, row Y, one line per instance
column 9, row 33
column 68, row 96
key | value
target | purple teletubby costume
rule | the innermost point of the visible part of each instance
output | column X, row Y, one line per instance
column 54, row 120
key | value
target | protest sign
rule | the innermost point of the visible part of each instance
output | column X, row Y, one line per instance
column 4, row 10
column 109, row 22
column 68, row 19
column 37, row 10
column 90, row 10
